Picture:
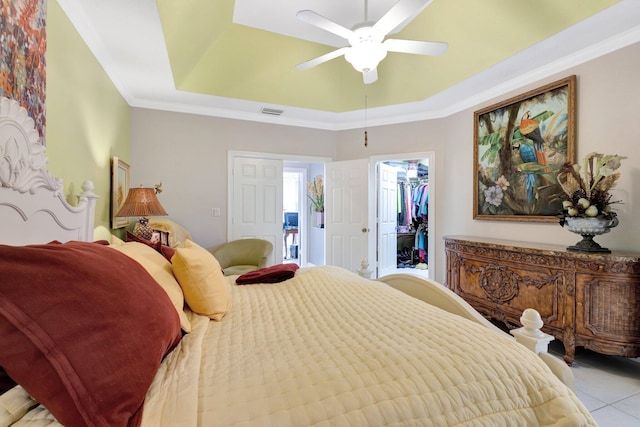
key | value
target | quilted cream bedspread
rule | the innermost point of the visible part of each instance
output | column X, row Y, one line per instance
column 329, row 348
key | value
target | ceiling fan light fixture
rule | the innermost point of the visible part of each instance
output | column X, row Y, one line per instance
column 366, row 50
column 366, row 55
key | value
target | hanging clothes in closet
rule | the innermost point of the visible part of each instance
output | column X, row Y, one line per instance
column 405, row 203
column 413, row 202
column 421, row 210
column 421, row 202
column 413, row 213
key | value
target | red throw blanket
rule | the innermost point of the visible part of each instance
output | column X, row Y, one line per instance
column 274, row 274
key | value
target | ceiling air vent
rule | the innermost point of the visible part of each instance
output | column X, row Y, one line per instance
column 271, row 111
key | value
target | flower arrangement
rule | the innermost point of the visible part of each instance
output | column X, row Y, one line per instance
column 587, row 187
column 316, row 194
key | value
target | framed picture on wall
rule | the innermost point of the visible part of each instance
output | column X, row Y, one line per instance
column 120, row 177
column 519, row 147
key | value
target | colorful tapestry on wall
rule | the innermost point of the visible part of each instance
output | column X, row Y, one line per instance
column 23, row 45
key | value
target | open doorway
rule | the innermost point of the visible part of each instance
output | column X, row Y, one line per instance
column 311, row 238
column 303, row 234
column 294, row 210
column 255, row 202
column 404, row 205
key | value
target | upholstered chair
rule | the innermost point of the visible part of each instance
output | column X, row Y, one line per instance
column 242, row 256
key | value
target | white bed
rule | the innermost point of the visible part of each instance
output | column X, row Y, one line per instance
column 326, row 347
column 23, row 173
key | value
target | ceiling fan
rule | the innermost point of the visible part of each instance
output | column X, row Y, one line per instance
column 367, row 47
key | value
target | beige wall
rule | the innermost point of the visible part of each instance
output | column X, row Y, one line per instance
column 608, row 119
column 88, row 122
column 189, row 154
column 87, row 118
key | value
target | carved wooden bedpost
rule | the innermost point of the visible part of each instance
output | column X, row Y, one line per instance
column 530, row 334
column 89, row 198
column 364, row 271
column 537, row 341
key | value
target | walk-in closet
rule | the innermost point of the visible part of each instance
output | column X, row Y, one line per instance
column 413, row 213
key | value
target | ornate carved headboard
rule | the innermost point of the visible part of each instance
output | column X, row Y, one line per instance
column 32, row 204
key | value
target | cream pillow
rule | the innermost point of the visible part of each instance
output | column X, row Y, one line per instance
column 202, row 281
column 116, row 241
column 160, row 269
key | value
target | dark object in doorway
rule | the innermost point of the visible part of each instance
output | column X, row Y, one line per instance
column 291, row 220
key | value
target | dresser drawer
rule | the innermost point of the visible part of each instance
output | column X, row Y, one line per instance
column 510, row 289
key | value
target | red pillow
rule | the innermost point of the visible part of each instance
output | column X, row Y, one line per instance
column 133, row 238
column 274, row 274
column 6, row 383
column 84, row 329
column 166, row 251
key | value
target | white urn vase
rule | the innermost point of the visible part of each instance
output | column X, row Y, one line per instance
column 589, row 227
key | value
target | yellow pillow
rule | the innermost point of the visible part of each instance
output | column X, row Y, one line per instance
column 202, row 281
column 160, row 269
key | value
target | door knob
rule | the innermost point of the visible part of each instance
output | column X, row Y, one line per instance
column 365, row 230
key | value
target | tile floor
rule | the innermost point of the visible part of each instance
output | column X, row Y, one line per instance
column 609, row 386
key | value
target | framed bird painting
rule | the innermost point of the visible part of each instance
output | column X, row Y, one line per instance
column 519, row 147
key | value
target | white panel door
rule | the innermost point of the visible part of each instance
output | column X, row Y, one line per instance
column 346, row 213
column 387, row 219
column 257, row 201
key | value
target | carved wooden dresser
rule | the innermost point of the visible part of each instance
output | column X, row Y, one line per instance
column 585, row 299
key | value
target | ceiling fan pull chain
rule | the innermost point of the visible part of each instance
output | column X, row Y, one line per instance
column 366, row 134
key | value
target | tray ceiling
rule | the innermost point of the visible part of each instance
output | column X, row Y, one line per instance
column 231, row 59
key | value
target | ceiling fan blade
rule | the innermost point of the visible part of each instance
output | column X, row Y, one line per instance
column 401, row 12
column 370, row 76
column 320, row 21
column 414, row 46
column 320, row 59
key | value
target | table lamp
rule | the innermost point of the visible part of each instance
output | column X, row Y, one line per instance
column 142, row 202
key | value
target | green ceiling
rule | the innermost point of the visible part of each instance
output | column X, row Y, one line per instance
column 210, row 54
